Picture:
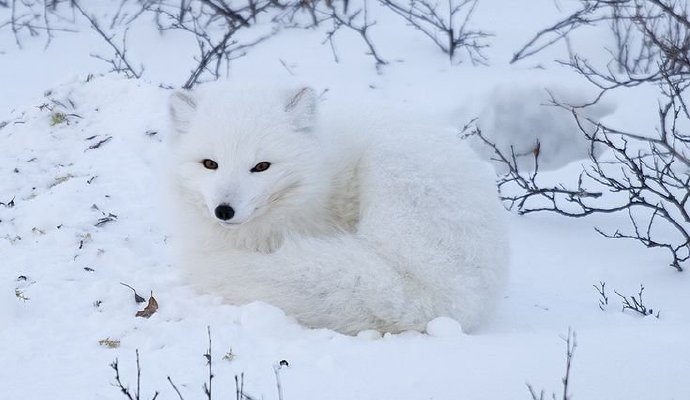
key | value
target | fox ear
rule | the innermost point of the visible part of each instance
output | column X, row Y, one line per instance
column 181, row 106
column 301, row 105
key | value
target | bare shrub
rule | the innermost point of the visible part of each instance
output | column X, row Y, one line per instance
column 216, row 26
column 225, row 30
column 645, row 175
column 446, row 24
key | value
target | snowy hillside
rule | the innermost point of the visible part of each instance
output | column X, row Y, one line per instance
column 80, row 215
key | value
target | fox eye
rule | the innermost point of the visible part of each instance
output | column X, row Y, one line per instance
column 209, row 164
column 260, row 167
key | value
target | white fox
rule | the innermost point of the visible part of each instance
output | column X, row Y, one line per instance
column 345, row 223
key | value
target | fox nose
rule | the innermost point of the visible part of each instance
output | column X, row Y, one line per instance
column 224, row 212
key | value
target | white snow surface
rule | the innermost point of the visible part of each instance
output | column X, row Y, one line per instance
column 60, row 274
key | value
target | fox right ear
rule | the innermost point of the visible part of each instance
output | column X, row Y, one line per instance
column 181, row 106
column 301, row 105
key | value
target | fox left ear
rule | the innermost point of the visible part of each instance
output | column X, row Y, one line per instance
column 301, row 105
column 181, row 106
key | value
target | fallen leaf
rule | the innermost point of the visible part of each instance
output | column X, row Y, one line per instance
column 150, row 308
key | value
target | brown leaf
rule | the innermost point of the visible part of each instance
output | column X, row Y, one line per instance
column 150, row 308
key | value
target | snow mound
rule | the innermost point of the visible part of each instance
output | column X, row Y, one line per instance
column 523, row 115
column 444, row 327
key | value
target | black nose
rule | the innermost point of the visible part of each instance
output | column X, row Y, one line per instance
column 224, row 212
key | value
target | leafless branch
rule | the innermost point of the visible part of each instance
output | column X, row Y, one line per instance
column 279, row 386
column 208, row 387
column 586, row 15
column 447, row 26
column 225, row 30
column 643, row 174
column 571, row 344
column 216, row 26
column 124, row 389
column 119, row 63
column 357, row 21
column 636, row 304
column 33, row 18
column 603, row 297
column 179, row 395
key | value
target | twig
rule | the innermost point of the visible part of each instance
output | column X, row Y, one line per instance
column 179, row 395
column 138, row 375
column 447, row 28
column 352, row 22
column 208, row 388
column 124, row 390
column 121, row 64
column 636, row 304
column 571, row 344
column 279, row 387
column 99, row 143
column 603, row 298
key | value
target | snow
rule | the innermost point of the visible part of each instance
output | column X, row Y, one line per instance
column 60, row 291
column 444, row 327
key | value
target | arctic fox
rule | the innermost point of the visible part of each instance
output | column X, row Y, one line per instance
column 344, row 223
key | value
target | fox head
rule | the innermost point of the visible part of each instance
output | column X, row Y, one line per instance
column 244, row 154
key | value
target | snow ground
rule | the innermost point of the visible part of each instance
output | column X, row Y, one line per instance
column 60, row 291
